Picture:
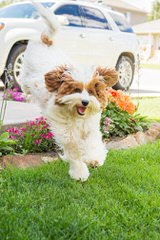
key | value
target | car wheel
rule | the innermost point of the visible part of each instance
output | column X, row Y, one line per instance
column 125, row 68
column 14, row 64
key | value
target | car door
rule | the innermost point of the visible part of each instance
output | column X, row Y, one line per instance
column 98, row 47
column 68, row 38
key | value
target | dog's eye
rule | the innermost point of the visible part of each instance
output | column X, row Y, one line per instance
column 78, row 90
column 90, row 92
column 96, row 85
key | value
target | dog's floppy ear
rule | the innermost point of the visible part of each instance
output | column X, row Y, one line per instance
column 54, row 79
column 107, row 75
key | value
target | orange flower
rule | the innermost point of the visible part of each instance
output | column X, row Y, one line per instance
column 122, row 100
column 112, row 92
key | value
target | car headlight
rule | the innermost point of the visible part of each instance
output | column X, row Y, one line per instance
column 2, row 25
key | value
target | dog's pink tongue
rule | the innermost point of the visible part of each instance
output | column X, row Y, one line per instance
column 81, row 110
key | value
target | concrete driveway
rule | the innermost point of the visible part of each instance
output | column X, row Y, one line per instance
column 147, row 84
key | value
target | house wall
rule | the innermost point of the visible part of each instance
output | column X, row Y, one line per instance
column 150, row 40
column 149, row 47
column 132, row 16
column 157, row 41
column 138, row 17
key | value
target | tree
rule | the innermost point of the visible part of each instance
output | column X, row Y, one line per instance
column 155, row 14
column 6, row 2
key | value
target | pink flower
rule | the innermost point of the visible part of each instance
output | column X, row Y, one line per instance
column 41, row 118
column 37, row 142
column 48, row 136
column 12, row 137
column 107, row 121
column 14, row 130
column 23, row 129
column 105, row 129
column 45, row 126
column 42, row 135
column 31, row 123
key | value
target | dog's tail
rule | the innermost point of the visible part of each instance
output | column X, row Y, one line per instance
column 50, row 20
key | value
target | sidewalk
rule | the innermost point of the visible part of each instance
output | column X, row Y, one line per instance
column 17, row 112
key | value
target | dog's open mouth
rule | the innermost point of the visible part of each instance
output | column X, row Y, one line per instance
column 81, row 110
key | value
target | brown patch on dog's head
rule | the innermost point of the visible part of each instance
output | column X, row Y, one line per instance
column 45, row 39
column 102, row 78
column 55, row 78
column 98, row 89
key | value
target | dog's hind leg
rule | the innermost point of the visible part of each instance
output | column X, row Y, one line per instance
column 78, row 170
column 96, row 152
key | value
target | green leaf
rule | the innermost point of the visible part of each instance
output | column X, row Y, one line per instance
column 4, row 136
column 7, row 148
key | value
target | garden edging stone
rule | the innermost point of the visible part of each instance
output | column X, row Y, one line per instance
column 137, row 139
column 28, row 160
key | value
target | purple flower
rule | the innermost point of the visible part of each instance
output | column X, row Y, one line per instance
column 14, row 95
column 16, row 89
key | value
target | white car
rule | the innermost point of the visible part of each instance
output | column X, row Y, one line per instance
column 91, row 34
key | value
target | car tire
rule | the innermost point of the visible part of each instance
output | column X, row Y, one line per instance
column 14, row 64
column 125, row 68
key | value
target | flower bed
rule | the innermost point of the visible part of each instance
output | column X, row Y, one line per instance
column 35, row 136
column 120, row 119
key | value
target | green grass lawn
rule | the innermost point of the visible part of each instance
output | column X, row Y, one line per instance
column 121, row 200
column 149, row 107
column 151, row 66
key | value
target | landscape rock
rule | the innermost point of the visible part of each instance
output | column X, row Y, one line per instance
column 48, row 159
column 26, row 161
column 140, row 137
column 153, row 133
column 125, row 143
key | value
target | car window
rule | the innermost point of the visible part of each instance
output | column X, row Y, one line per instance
column 72, row 13
column 47, row 4
column 121, row 22
column 25, row 10
column 93, row 18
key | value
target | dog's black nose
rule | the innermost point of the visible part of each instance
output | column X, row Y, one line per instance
column 85, row 102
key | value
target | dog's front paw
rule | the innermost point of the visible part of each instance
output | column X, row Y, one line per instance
column 79, row 171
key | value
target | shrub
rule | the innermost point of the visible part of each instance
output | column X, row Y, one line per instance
column 5, row 144
column 120, row 118
column 35, row 136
